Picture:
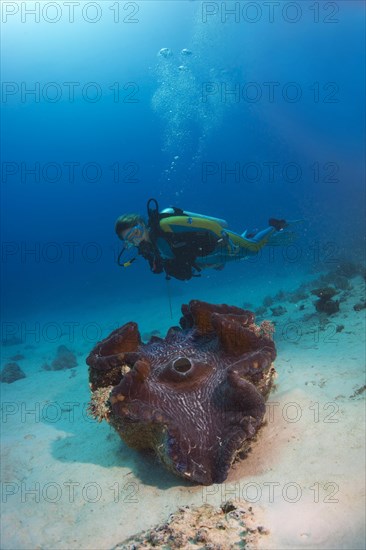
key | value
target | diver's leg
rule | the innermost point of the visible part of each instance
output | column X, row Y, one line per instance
column 234, row 246
column 278, row 224
column 274, row 227
column 262, row 235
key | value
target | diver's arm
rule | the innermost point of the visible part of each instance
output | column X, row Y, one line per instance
column 178, row 268
column 147, row 251
column 156, row 265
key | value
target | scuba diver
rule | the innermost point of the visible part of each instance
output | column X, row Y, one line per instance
column 182, row 243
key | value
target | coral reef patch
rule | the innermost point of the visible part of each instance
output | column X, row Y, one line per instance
column 11, row 373
column 278, row 310
column 230, row 526
column 65, row 359
column 326, row 304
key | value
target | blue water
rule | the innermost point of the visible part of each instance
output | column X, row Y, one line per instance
column 160, row 114
column 264, row 118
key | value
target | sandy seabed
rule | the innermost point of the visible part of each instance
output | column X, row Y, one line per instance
column 69, row 482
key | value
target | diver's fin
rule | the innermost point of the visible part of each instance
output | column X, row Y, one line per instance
column 277, row 224
column 293, row 222
column 282, row 238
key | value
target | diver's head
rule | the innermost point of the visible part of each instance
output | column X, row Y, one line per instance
column 131, row 229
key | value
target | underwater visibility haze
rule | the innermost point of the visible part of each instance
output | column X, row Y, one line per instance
column 242, row 111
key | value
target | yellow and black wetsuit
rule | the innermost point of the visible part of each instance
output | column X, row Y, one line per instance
column 183, row 243
column 177, row 253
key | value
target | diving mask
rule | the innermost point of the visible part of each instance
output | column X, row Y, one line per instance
column 133, row 236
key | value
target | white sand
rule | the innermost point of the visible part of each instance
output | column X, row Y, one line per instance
column 304, row 476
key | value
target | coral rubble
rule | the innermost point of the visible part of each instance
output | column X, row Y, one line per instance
column 230, row 526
